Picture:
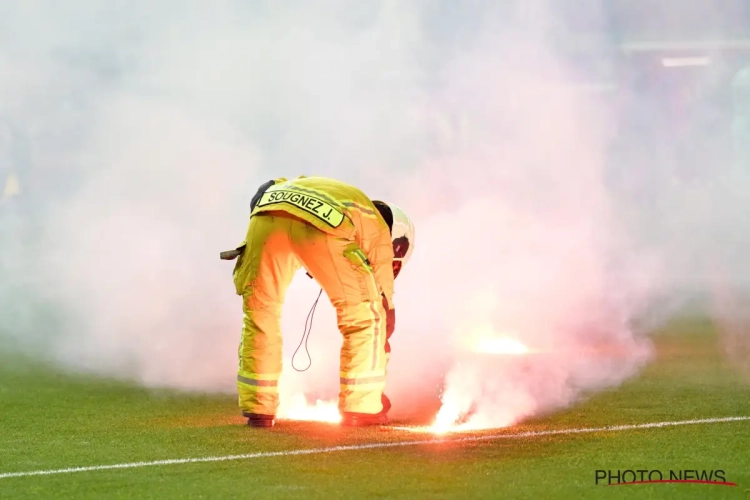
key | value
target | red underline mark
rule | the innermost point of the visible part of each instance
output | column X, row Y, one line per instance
column 694, row 481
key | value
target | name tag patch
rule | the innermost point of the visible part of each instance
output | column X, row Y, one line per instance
column 309, row 203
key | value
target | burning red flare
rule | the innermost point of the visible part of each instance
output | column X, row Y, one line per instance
column 455, row 414
column 296, row 407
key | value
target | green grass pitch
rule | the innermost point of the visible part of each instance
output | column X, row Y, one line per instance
column 55, row 421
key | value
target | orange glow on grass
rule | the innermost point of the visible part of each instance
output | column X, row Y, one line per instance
column 297, row 408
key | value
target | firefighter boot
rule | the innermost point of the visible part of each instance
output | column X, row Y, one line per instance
column 258, row 420
column 350, row 419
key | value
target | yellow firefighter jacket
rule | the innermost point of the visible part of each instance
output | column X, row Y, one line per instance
column 340, row 210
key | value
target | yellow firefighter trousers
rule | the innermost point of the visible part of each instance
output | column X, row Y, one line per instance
column 279, row 243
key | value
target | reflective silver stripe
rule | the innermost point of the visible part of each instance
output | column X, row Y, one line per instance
column 358, row 206
column 259, row 383
column 365, row 380
column 376, row 337
column 323, row 196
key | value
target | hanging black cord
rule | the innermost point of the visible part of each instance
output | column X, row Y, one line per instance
column 306, row 334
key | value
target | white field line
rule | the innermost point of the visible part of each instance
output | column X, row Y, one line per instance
column 369, row 446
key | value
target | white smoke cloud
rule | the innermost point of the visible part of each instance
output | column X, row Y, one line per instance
column 140, row 132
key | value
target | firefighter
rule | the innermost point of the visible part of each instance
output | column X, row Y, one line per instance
column 354, row 248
